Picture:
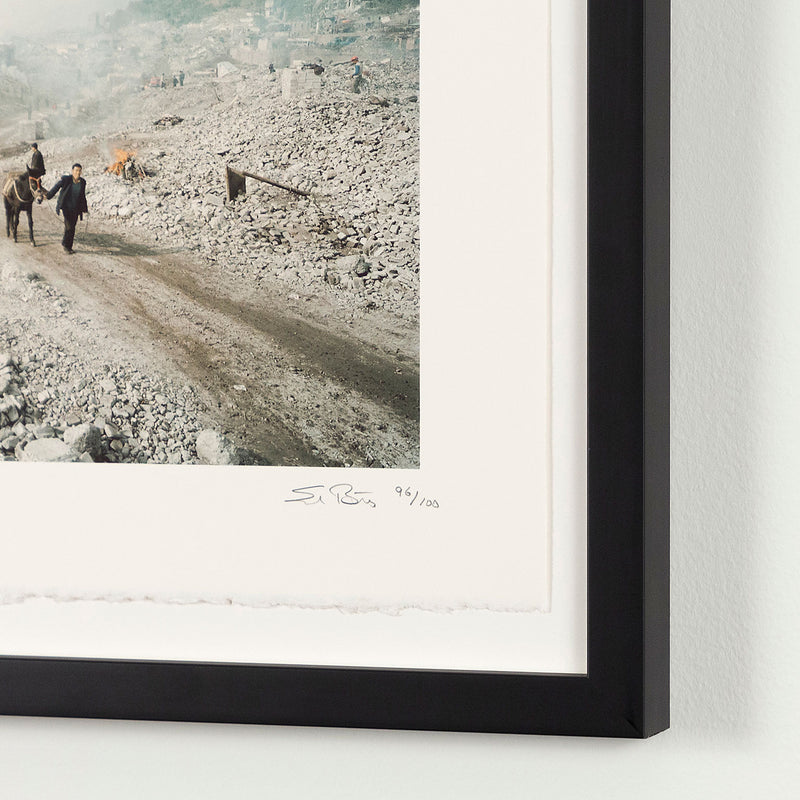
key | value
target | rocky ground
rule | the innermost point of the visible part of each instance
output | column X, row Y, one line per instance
column 75, row 384
column 67, row 394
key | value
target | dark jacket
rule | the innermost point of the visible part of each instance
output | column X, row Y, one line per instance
column 37, row 164
column 63, row 186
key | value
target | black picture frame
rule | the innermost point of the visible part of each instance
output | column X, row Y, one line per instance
column 625, row 692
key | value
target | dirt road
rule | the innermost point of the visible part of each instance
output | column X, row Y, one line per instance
column 294, row 379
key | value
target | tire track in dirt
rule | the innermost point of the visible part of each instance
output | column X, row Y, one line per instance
column 341, row 359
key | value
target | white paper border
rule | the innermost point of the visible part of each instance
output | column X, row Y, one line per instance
column 553, row 642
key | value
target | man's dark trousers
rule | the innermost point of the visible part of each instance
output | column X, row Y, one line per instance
column 70, row 221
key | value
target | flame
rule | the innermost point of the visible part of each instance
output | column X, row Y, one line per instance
column 122, row 156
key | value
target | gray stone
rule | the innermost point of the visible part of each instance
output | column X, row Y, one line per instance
column 47, row 450
column 332, row 277
column 362, row 268
column 213, row 448
column 84, row 439
column 355, row 264
column 43, row 432
column 9, row 443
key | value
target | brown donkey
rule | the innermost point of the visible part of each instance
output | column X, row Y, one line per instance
column 20, row 189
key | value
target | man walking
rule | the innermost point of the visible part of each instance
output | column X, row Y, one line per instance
column 72, row 201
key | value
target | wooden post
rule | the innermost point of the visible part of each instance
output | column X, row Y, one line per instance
column 236, row 184
column 275, row 183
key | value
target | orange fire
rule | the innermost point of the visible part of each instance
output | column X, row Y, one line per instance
column 123, row 157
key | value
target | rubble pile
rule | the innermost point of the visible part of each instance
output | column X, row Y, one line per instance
column 357, row 155
column 100, row 409
column 56, row 405
column 52, row 410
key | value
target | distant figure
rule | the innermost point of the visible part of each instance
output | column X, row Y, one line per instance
column 36, row 167
column 72, row 201
column 271, row 68
column 181, row 76
column 358, row 78
column 174, row 81
column 163, row 83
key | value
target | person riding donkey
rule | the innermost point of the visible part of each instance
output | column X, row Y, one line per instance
column 36, row 167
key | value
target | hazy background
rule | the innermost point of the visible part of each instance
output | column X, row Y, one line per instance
column 47, row 16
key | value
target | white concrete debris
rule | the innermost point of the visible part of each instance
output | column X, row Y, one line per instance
column 47, row 450
column 225, row 68
column 298, row 82
column 117, row 415
column 213, row 448
column 85, row 438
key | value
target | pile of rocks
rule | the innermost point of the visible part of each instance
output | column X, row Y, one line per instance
column 114, row 417
column 56, row 405
column 357, row 156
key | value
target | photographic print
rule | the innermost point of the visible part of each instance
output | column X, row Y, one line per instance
column 239, row 280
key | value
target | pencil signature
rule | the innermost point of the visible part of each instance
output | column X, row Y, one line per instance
column 343, row 494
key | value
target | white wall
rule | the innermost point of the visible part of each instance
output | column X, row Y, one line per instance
column 736, row 549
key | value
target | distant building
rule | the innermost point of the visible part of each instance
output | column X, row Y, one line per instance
column 6, row 54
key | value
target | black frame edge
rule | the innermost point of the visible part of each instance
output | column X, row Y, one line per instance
column 628, row 358
column 657, row 359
